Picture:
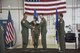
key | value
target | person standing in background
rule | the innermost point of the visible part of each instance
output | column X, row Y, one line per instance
column 2, row 46
column 25, row 31
column 43, row 25
column 61, row 33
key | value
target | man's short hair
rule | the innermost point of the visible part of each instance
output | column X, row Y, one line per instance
column 42, row 14
column 61, row 14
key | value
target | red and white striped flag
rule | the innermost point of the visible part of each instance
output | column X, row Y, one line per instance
column 46, row 7
column 9, row 30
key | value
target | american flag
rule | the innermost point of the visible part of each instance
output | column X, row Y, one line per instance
column 44, row 6
column 9, row 30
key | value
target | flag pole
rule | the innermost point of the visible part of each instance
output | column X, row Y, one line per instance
column 10, row 42
column 57, row 35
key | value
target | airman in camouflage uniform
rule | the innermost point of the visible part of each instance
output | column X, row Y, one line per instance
column 25, row 31
column 61, row 33
column 43, row 25
column 35, row 32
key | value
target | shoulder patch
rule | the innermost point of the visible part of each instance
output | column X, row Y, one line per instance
column 23, row 21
